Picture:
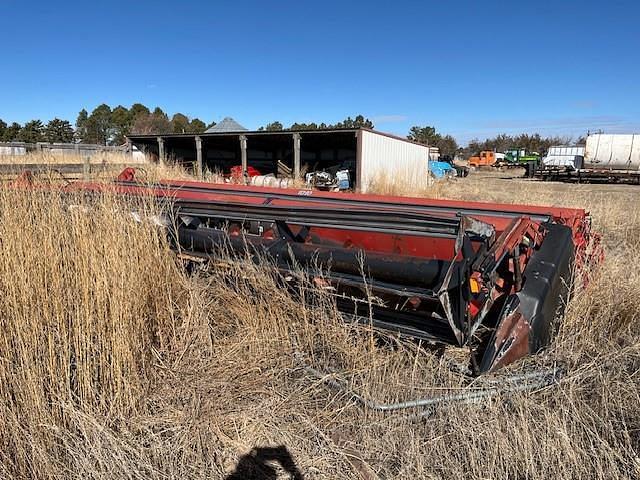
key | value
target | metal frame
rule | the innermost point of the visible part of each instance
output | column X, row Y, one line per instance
column 486, row 276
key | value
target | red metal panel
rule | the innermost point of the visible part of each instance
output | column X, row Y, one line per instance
column 555, row 212
column 432, row 273
column 492, row 213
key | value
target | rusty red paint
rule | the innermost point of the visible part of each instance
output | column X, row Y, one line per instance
column 494, row 245
column 511, row 340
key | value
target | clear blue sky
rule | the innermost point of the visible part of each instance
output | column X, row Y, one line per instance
column 471, row 69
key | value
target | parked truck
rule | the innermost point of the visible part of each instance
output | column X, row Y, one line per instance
column 520, row 157
column 517, row 157
column 486, row 158
column 604, row 158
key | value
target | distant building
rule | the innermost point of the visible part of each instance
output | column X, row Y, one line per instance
column 227, row 125
column 370, row 156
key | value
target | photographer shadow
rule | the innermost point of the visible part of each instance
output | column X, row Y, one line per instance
column 259, row 464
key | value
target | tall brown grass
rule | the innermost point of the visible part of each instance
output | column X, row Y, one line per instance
column 86, row 294
column 114, row 363
column 47, row 157
column 105, row 166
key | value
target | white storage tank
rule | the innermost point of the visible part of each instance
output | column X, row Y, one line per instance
column 612, row 152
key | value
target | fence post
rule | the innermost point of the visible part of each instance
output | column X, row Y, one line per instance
column 86, row 168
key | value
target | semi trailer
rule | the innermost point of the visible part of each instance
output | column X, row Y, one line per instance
column 604, row 158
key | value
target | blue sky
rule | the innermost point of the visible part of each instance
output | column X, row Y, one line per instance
column 472, row 69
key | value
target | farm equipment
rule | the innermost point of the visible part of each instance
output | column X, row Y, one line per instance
column 488, row 277
column 519, row 157
column 509, row 159
column 486, row 158
column 606, row 158
column 329, row 181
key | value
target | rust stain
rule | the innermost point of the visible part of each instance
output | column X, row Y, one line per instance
column 511, row 339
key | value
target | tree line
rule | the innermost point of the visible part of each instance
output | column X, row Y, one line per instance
column 530, row 142
column 358, row 122
column 109, row 126
column 55, row 130
column 104, row 126
column 500, row 143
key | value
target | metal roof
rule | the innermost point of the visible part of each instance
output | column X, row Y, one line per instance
column 208, row 134
column 227, row 125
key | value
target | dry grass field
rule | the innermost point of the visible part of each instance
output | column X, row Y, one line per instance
column 103, row 166
column 115, row 363
column 47, row 157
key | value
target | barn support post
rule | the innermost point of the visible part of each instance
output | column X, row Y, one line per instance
column 359, row 184
column 296, row 156
column 243, row 153
column 161, row 153
column 429, row 179
column 199, row 170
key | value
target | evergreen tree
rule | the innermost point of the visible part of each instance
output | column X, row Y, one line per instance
column 423, row 135
column 358, row 122
column 197, row 126
column 138, row 110
column 274, row 127
column 304, row 126
column 12, row 132
column 180, row 123
column 428, row 136
column 81, row 126
column 32, row 132
column 99, row 127
column 152, row 123
column 121, row 120
column 58, row 131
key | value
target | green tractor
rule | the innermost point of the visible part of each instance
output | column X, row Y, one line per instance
column 519, row 157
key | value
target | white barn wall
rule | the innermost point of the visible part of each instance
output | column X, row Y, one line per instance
column 388, row 159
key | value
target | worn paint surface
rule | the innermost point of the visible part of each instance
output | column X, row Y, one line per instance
column 437, row 270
